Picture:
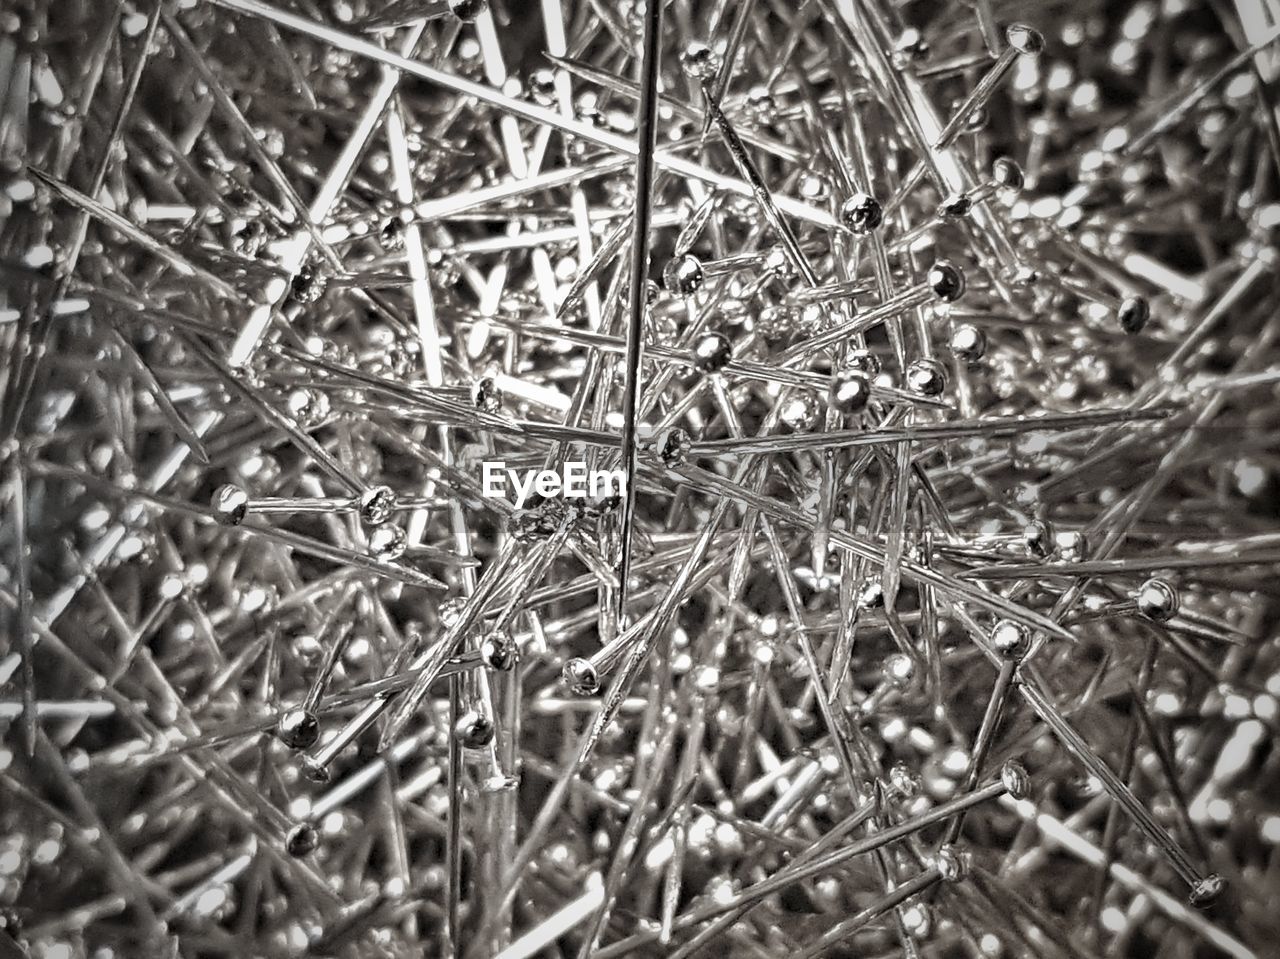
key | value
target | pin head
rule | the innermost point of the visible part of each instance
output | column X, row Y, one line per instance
column 498, row 651
column 777, row 262
column 1207, row 891
column 899, row 670
column 773, row 322
column 861, row 213
column 1007, row 175
column 451, row 611
column 474, row 730
column 486, row 396
column 230, row 505
column 700, row 62
column 1133, row 313
column 946, row 281
column 968, row 343
column 712, row 352
column 956, row 206
column 673, row 445
column 581, row 677
column 683, row 275
column 468, row 10
column 298, row 729
column 250, row 238
column 308, row 407
column 308, row 649
column 814, row 187
column 1157, row 600
column 800, row 412
column 918, row 920
column 871, row 596
column 1010, row 640
column 1024, row 39
column 377, row 503
column 927, row 377
column 810, row 320
column 1072, row 545
column 909, row 47
column 542, row 84
column 1014, row 778
column 761, row 105
column 1037, row 537
column 301, row 840
column 903, row 781
column 387, row 542
column 850, row 391
column 863, row 361
column 307, row 286
column 952, row 863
